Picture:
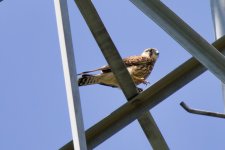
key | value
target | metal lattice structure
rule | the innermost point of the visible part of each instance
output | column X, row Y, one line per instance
column 206, row 56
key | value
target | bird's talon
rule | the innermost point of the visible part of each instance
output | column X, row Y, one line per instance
column 139, row 89
column 146, row 82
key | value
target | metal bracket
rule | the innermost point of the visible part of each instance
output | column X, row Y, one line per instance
column 202, row 112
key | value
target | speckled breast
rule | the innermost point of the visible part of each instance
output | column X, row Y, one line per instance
column 141, row 71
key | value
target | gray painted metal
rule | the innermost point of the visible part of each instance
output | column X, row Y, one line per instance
column 184, row 35
column 202, row 112
column 152, row 131
column 149, row 98
column 113, row 58
column 218, row 15
column 69, row 70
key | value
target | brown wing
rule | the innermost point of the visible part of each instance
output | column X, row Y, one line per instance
column 129, row 61
column 136, row 60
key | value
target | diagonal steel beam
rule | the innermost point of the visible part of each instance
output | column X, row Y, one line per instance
column 184, row 35
column 113, row 58
column 149, row 98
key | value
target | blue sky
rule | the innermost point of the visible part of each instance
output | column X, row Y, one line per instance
column 33, row 106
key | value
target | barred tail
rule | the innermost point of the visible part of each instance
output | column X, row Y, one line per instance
column 88, row 80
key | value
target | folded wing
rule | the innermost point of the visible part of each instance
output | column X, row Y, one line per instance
column 129, row 61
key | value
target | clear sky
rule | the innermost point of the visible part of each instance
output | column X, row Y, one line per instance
column 33, row 106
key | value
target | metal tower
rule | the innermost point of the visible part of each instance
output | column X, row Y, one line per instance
column 205, row 56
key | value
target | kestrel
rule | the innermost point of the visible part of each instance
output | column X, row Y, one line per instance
column 139, row 68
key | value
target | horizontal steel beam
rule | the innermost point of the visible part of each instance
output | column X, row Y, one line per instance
column 149, row 98
column 184, row 35
column 126, row 83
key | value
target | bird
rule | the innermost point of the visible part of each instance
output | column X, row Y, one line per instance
column 139, row 67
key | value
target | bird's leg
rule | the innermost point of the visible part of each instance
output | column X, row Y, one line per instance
column 146, row 82
column 141, row 80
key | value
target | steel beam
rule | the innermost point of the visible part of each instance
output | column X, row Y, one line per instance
column 69, row 70
column 149, row 98
column 113, row 58
column 202, row 112
column 184, row 35
column 218, row 15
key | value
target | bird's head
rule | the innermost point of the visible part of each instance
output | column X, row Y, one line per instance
column 151, row 52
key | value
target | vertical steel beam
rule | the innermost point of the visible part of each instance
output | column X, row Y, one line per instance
column 218, row 15
column 69, row 70
column 184, row 35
